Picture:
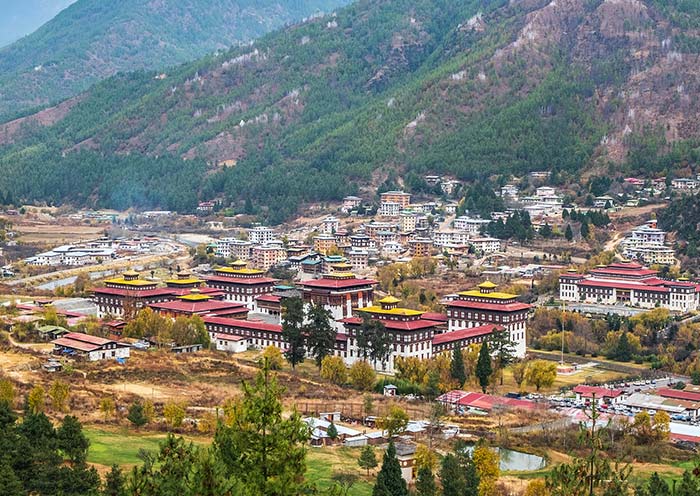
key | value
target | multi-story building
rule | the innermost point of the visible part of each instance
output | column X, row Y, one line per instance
column 485, row 245
column 266, row 256
column 472, row 225
column 236, row 249
column 350, row 203
column 451, row 238
column 645, row 235
column 510, row 191
column 629, row 283
column 411, row 335
column 374, row 227
column 339, row 293
column 261, row 235
column 393, row 248
column 360, row 241
column 420, row 247
column 485, row 306
column 198, row 303
column 324, row 243
column 330, row 225
column 241, row 284
column 358, row 258
column 407, row 221
column 390, row 209
column 400, row 197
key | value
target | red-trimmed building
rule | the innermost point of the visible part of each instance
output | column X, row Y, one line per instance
column 198, row 303
column 605, row 395
column 631, row 284
column 129, row 294
column 463, row 338
column 485, row 306
column 241, row 284
column 89, row 347
column 340, row 293
column 412, row 335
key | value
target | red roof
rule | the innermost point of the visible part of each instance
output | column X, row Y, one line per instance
column 241, row 280
column 271, row 298
column 458, row 335
column 254, row 325
column 624, row 272
column 326, row 283
column 86, row 338
column 679, row 394
column 623, row 285
column 600, row 392
column 487, row 402
column 396, row 325
column 81, row 342
column 437, row 317
column 193, row 307
column 77, row 345
column 495, row 307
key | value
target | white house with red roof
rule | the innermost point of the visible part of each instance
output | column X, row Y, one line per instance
column 606, row 395
column 631, row 284
column 92, row 348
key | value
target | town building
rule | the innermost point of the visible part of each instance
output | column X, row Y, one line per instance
column 324, row 243
column 449, row 186
column 451, row 238
column 510, row 191
column 472, row 225
column 485, row 245
column 360, row 241
column 358, row 258
column 261, row 235
column 350, row 203
column 240, row 283
column 236, row 249
column 408, row 221
column 685, row 184
column 88, row 347
column 486, row 306
column 390, row 209
column 420, row 247
column 400, row 197
column 267, row 256
column 71, row 255
column 330, row 225
column 339, row 293
column 629, row 283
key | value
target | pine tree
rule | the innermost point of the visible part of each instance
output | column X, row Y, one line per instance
column 585, row 230
column 457, row 366
column 623, row 351
column 332, row 431
column 483, row 366
column 568, row 233
column 425, row 483
column 503, row 348
column 292, row 330
column 114, row 482
column 320, row 333
column 10, row 485
column 657, row 486
column 136, row 415
column 367, row 460
column 389, row 481
column 71, row 440
column 688, row 485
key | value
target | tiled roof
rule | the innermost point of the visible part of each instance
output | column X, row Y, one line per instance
column 458, row 335
column 243, row 324
column 395, row 325
column 679, row 394
column 600, row 392
column 338, row 283
column 240, row 280
column 192, row 307
column 506, row 307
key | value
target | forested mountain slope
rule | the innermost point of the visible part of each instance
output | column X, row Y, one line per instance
column 19, row 18
column 319, row 110
column 94, row 39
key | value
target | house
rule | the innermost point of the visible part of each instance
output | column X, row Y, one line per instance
column 92, row 348
column 400, row 197
column 606, row 395
column 186, row 348
column 350, row 203
column 684, row 183
column 51, row 332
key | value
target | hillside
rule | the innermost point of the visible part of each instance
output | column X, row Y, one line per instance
column 21, row 18
column 319, row 110
column 94, row 39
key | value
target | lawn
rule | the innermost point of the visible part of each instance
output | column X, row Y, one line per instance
column 123, row 446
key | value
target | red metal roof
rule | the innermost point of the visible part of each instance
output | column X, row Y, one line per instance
column 250, row 281
column 229, row 337
column 495, row 307
column 254, row 325
column 193, row 307
column 395, row 325
column 338, row 283
column 623, row 285
column 624, row 272
column 458, row 335
column 487, row 402
column 77, row 345
column 679, row 394
column 86, row 338
column 269, row 298
column 600, row 392
column 437, row 317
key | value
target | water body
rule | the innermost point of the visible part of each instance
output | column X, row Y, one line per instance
column 51, row 285
column 517, row 461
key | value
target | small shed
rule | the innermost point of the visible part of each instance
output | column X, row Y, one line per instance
column 51, row 332
column 189, row 348
column 390, row 390
column 356, row 441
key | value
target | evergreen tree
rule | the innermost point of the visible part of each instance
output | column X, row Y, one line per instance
column 389, row 481
column 457, row 366
column 332, row 431
column 136, row 415
column 656, row 486
column 425, row 483
column 320, row 333
column 292, row 330
column 367, row 460
column 10, row 485
column 373, row 341
column 688, row 486
column 546, row 231
column 71, row 440
column 623, row 350
column 503, row 348
column 7, row 415
column 568, row 233
column 262, row 447
column 114, row 482
column 483, row 366
column 585, row 230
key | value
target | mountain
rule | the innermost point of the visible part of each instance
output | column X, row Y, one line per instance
column 21, row 18
column 94, row 39
column 382, row 92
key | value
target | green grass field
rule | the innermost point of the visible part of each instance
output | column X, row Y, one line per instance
column 123, row 446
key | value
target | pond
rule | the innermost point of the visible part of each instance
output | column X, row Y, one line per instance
column 512, row 460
